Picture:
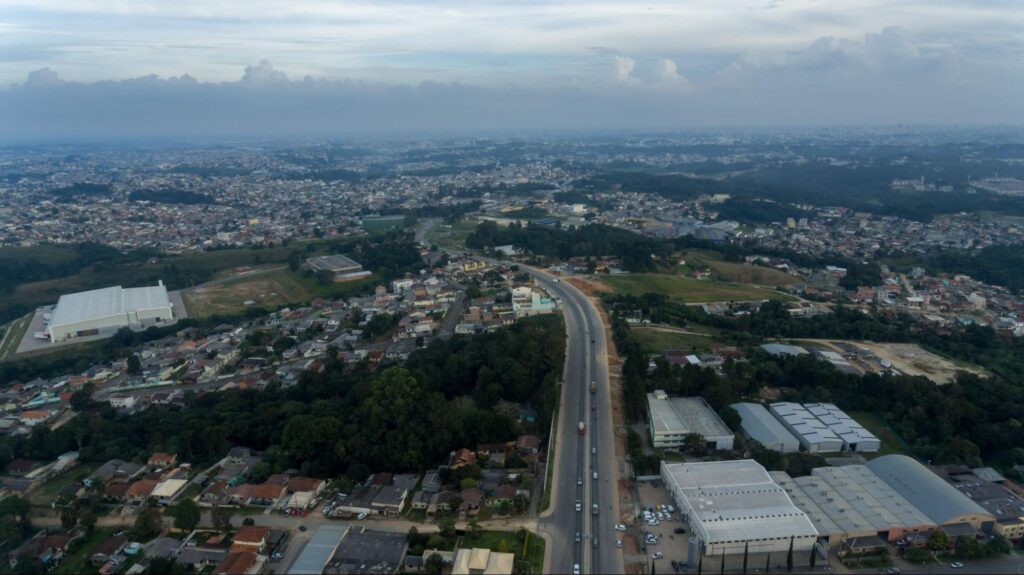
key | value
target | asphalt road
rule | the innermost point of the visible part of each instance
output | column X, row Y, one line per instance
column 578, row 457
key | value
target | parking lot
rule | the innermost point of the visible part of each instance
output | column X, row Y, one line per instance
column 662, row 537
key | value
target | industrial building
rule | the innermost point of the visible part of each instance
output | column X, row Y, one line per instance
column 940, row 501
column 342, row 267
column 761, row 426
column 782, row 349
column 86, row 313
column 735, row 508
column 673, row 418
column 366, row 552
column 319, row 550
column 855, row 438
column 814, row 436
column 852, row 502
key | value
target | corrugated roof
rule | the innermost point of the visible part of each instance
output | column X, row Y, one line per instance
column 105, row 302
column 927, row 491
column 763, row 427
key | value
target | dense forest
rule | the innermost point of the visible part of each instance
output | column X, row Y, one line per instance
column 170, row 197
column 452, row 394
column 997, row 265
column 589, row 240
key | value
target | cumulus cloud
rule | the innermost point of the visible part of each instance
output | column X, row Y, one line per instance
column 668, row 73
column 623, row 68
column 42, row 78
column 263, row 74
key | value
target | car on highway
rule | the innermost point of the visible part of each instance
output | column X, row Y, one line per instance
column 593, row 451
column 618, row 543
column 579, row 505
column 594, row 541
column 956, row 565
column 595, row 475
column 892, row 571
column 620, row 527
column 594, row 509
column 578, row 537
column 579, row 481
column 575, row 569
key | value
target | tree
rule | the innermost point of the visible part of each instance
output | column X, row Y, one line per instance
column 294, row 261
column 938, row 540
column 918, row 555
column 88, row 522
column 69, row 514
column 186, row 515
column 473, row 530
column 148, row 525
column 434, row 565
column 134, row 364
column 436, row 541
column 81, row 400
column 164, row 566
column 968, row 548
column 221, row 518
column 997, row 545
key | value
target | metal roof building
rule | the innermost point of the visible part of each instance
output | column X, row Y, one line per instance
column 319, row 550
column 735, row 507
column 783, row 349
column 939, row 500
column 108, row 308
column 759, row 425
column 673, row 418
column 813, row 435
column 855, row 437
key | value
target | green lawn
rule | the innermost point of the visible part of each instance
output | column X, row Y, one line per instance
column 532, row 550
column 891, row 443
column 12, row 334
column 688, row 290
column 742, row 273
column 451, row 237
column 374, row 225
column 48, row 491
column 656, row 341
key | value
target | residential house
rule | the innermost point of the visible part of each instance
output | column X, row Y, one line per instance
column 239, row 563
column 161, row 460
column 267, row 494
column 106, row 549
column 141, row 490
column 250, row 538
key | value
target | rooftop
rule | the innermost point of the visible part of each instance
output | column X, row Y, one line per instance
column 105, row 302
column 684, row 415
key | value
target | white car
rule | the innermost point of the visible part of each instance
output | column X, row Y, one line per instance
column 579, row 505
column 575, row 569
column 595, row 475
column 620, row 527
column 657, row 555
column 579, row 481
column 362, row 516
column 618, row 543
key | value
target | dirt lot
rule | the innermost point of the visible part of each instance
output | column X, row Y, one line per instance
column 231, row 297
column 909, row 358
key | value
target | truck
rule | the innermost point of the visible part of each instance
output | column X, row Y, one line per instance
column 582, row 427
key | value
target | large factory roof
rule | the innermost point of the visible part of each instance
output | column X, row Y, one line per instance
column 736, row 501
column 105, row 302
column 939, row 500
column 684, row 415
column 762, row 426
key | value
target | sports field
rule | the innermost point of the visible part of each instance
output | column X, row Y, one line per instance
column 688, row 290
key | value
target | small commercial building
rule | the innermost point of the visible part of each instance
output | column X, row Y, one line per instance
column 368, row 552
column 735, row 508
column 761, row 426
column 482, row 562
column 671, row 419
column 813, row 435
column 342, row 267
column 319, row 550
column 88, row 312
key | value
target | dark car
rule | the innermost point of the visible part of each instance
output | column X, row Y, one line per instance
column 302, row 527
column 679, row 530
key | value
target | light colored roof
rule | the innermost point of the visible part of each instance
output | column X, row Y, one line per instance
column 169, row 487
column 927, row 491
column 760, row 425
column 736, row 500
column 318, row 551
column 482, row 561
column 783, row 349
column 333, row 262
column 684, row 415
column 105, row 302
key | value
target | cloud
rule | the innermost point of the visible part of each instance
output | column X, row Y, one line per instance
column 263, row 74
column 668, row 74
column 43, row 78
column 623, row 67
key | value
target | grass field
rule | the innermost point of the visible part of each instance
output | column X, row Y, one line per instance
column 12, row 335
column 688, row 290
column 47, row 493
column 451, row 237
column 379, row 225
column 891, row 443
column 267, row 289
column 532, row 551
column 655, row 341
column 737, row 272
column 176, row 271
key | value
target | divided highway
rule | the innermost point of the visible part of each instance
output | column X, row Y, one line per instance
column 586, row 469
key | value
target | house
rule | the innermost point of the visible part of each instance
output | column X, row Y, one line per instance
column 503, row 494
column 441, row 501
column 162, row 548
column 267, row 494
column 106, row 549
column 473, row 561
column 528, row 444
column 250, row 538
column 390, row 500
column 32, row 418
column 161, row 460
column 199, row 558
column 214, row 494
column 240, row 494
column 432, row 481
column 472, row 498
column 140, row 490
column 239, row 563
column 461, row 458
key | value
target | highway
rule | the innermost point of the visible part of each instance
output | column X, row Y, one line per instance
column 578, row 457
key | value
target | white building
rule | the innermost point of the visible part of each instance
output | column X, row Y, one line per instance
column 527, row 301
column 85, row 313
column 855, row 437
column 734, row 507
column 814, row 435
column 671, row 419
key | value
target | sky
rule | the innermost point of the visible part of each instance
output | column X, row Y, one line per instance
column 203, row 68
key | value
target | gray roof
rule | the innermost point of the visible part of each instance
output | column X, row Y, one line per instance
column 760, row 425
column 334, row 263
column 927, row 491
column 368, row 552
column 111, row 301
column 783, row 349
column 319, row 550
column 685, row 415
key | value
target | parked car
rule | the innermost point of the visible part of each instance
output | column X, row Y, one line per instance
column 618, row 543
column 679, row 530
column 620, row 527
column 657, row 555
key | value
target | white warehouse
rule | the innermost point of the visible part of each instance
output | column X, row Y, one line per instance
column 736, row 508
column 87, row 312
column 814, row 436
column 759, row 425
column 673, row 418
